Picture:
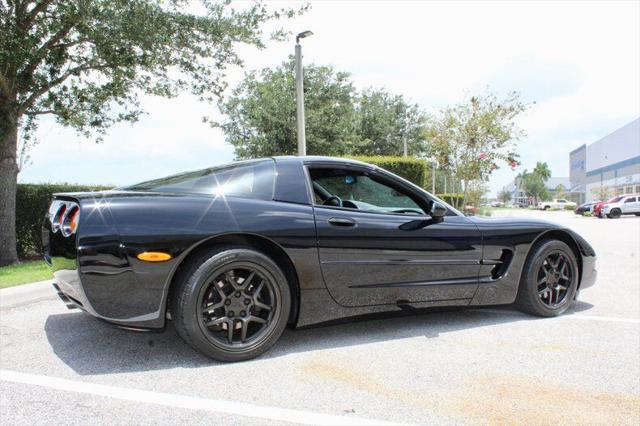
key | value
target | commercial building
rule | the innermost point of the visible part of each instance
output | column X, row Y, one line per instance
column 607, row 167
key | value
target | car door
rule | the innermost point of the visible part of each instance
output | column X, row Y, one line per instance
column 378, row 246
column 631, row 205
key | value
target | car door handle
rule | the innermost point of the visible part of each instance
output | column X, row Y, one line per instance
column 344, row 222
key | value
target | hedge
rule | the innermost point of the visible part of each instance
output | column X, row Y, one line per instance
column 412, row 169
column 32, row 202
column 455, row 199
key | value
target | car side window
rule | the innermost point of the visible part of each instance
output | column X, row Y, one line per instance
column 253, row 179
column 356, row 190
column 630, row 200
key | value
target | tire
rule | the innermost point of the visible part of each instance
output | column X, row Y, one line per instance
column 227, row 288
column 546, row 208
column 536, row 297
column 614, row 214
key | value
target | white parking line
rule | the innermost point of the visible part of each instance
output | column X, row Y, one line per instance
column 188, row 402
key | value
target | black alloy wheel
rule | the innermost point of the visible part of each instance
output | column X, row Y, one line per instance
column 231, row 303
column 554, row 279
column 549, row 279
column 236, row 307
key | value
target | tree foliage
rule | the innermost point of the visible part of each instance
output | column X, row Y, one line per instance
column 504, row 196
column 86, row 63
column 385, row 121
column 260, row 115
column 533, row 185
column 473, row 138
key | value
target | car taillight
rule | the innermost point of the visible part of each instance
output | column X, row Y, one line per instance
column 70, row 222
column 57, row 218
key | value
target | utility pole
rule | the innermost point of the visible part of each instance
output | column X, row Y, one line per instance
column 302, row 141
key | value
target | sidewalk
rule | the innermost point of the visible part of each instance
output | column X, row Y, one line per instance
column 25, row 294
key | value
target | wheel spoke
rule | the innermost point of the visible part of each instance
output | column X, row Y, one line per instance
column 231, row 280
column 261, row 305
column 543, row 292
column 543, row 280
column 243, row 332
column 258, row 289
column 210, row 309
column 216, row 321
column 247, row 281
column 257, row 319
column 230, row 329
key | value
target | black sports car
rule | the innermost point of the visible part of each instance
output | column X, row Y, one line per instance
column 233, row 254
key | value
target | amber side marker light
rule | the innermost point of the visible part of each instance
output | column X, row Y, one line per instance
column 154, row 256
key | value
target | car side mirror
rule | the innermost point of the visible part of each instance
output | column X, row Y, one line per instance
column 438, row 211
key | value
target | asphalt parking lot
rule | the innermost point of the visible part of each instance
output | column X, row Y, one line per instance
column 483, row 366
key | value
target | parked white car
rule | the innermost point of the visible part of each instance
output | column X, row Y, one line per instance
column 556, row 203
column 629, row 204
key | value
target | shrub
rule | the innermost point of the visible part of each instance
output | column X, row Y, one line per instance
column 412, row 169
column 453, row 198
column 569, row 208
column 32, row 202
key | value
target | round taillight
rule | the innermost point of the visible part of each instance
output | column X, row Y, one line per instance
column 70, row 222
column 57, row 218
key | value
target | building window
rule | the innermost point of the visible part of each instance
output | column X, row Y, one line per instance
column 628, row 190
column 637, row 188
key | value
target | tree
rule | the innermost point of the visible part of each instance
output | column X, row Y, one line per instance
column 559, row 191
column 260, row 113
column 471, row 139
column 534, row 186
column 542, row 170
column 385, row 121
column 504, row 196
column 86, row 62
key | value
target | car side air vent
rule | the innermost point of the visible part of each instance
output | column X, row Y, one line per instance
column 502, row 265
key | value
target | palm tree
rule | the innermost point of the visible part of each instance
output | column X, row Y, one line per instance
column 542, row 170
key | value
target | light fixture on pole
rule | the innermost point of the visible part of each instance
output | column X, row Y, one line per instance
column 302, row 142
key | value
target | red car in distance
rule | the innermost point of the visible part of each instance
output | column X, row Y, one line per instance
column 597, row 210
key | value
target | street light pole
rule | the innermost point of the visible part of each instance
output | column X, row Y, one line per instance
column 302, row 141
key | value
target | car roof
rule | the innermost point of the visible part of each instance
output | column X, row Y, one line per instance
column 322, row 159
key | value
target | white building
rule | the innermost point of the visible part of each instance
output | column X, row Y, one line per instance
column 613, row 163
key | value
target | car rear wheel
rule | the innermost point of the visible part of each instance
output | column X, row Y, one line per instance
column 614, row 214
column 232, row 304
column 549, row 279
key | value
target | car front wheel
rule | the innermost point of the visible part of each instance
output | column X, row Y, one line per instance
column 549, row 279
column 232, row 304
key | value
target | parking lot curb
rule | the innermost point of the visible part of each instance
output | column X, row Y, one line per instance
column 26, row 294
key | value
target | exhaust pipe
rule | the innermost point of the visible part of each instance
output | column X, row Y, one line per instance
column 67, row 302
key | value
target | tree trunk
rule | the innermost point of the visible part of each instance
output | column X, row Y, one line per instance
column 8, row 186
column 464, row 196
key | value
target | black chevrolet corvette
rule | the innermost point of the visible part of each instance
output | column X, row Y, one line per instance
column 233, row 254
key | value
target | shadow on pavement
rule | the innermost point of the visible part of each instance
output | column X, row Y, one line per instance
column 91, row 347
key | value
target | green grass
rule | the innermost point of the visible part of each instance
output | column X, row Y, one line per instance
column 31, row 271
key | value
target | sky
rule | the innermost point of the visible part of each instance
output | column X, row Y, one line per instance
column 577, row 64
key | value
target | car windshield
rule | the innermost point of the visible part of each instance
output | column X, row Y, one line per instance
column 250, row 178
column 615, row 199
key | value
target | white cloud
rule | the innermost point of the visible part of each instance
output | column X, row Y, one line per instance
column 579, row 61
